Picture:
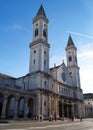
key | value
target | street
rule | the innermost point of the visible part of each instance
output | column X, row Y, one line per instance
column 86, row 124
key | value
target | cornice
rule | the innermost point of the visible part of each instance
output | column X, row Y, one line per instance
column 39, row 41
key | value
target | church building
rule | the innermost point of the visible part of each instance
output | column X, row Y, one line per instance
column 43, row 92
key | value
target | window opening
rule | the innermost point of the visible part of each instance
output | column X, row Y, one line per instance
column 44, row 33
column 34, row 51
column 34, row 61
column 70, row 58
column 36, row 32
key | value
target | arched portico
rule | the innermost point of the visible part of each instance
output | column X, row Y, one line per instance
column 65, row 109
column 15, row 106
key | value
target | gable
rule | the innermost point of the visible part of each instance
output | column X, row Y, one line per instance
column 63, row 75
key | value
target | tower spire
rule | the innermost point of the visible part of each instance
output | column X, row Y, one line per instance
column 70, row 41
column 41, row 12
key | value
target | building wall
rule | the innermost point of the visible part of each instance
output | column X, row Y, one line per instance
column 4, row 80
column 88, row 108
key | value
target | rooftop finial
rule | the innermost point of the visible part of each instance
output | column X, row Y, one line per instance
column 54, row 65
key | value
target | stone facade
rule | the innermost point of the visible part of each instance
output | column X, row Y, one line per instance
column 44, row 92
column 88, row 105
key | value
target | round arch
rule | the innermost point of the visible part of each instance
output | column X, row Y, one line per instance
column 21, row 106
column 30, row 108
column 10, row 108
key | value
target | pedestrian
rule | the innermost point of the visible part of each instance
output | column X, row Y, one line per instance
column 80, row 118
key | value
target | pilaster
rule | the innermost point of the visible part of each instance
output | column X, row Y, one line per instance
column 73, row 110
column 63, row 108
column 57, row 107
column 3, row 115
column 38, row 105
column 25, row 111
column 67, row 110
column 16, row 108
column 42, row 105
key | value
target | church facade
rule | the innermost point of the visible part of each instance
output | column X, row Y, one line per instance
column 44, row 92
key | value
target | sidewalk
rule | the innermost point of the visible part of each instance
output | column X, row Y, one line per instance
column 44, row 121
column 41, row 122
column 28, row 124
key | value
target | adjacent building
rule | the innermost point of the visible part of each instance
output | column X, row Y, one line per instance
column 88, row 105
column 43, row 92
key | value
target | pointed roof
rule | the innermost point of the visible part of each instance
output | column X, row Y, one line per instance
column 70, row 41
column 41, row 12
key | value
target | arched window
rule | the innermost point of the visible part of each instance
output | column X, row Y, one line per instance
column 44, row 52
column 70, row 58
column 70, row 74
column 36, row 32
column 44, row 62
column 44, row 33
column 44, row 83
column 76, row 59
column 34, row 61
column 63, row 76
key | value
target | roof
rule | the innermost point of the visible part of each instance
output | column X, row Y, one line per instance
column 6, row 76
column 70, row 41
column 88, row 96
column 56, row 67
column 41, row 12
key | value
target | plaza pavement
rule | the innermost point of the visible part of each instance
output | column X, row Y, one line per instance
column 86, row 124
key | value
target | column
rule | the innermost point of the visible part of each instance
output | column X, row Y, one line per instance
column 49, row 105
column 67, row 109
column 3, row 115
column 78, row 110
column 16, row 109
column 42, row 105
column 26, row 110
column 38, row 105
column 52, row 107
column 55, row 100
column 73, row 110
column 57, row 107
column 63, row 109
column 34, row 107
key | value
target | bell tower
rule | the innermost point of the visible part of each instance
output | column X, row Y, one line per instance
column 72, row 64
column 39, row 48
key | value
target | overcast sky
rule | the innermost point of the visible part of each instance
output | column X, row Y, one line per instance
column 66, row 17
